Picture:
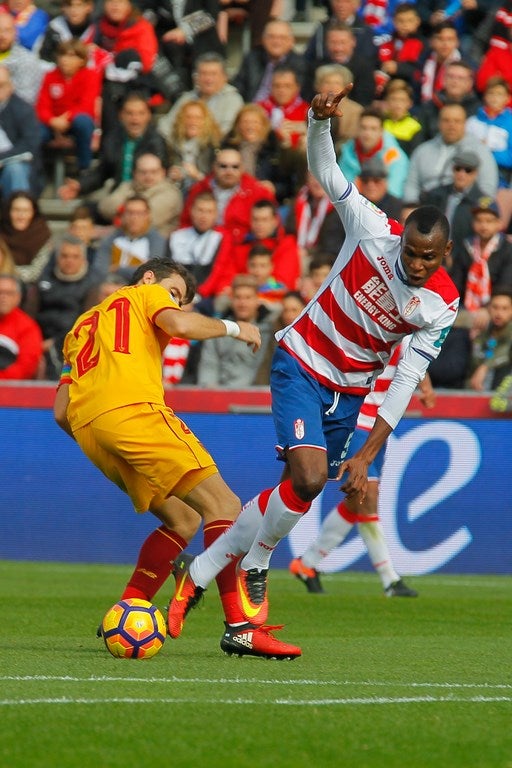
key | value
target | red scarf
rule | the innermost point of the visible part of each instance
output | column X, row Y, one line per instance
column 478, row 282
column 108, row 31
column 363, row 156
column 308, row 223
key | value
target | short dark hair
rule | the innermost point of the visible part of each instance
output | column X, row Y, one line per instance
column 259, row 250
column 137, row 199
column 263, row 203
column 82, row 212
column 426, row 218
column 320, row 260
column 162, row 268
column 502, row 290
column 405, row 8
column 446, row 24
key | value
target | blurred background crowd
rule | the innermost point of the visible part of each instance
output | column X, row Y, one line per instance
column 131, row 128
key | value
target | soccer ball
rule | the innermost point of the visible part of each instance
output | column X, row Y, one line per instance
column 133, row 629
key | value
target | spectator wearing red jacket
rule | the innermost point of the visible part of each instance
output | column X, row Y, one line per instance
column 68, row 99
column 267, row 230
column 235, row 193
column 121, row 28
column 497, row 62
column 21, row 340
column 401, row 54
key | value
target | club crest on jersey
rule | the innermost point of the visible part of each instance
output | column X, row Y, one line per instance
column 372, row 206
column 299, row 428
column 411, row 306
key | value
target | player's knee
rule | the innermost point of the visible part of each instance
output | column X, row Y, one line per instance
column 308, row 487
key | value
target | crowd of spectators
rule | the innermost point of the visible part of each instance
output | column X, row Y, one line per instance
column 184, row 137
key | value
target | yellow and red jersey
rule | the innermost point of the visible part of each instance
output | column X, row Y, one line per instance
column 113, row 353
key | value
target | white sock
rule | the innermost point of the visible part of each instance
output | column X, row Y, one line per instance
column 232, row 543
column 373, row 536
column 334, row 530
column 277, row 523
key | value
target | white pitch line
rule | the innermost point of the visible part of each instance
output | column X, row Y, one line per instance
column 372, row 700
column 253, row 681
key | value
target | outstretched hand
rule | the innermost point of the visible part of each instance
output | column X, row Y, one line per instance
column 328, row 105
column 356, row 483
column 250, row 334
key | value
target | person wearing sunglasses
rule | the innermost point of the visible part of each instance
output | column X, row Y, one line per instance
column 458, row 198
column 431, row 164
column 235, row 191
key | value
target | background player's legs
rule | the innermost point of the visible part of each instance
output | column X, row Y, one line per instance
column 336, row 527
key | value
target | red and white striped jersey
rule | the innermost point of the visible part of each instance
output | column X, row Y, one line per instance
column 174, row 360
column 345, row 335
column 375, row 398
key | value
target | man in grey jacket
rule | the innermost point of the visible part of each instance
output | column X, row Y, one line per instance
column 431, row 163
column 223, row 364
column 210, row 86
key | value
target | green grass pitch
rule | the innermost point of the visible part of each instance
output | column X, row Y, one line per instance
column 400, row 683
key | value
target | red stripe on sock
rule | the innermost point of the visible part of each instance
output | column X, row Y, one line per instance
column 290, row 498
column 354, row 517
column 226, row 579
column 346, row 514
column 263, row 500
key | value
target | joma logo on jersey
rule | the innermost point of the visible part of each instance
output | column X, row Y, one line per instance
column 385, row 267
column 299, row 428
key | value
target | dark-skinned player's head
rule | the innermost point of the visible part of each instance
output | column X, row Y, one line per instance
column 426, row 244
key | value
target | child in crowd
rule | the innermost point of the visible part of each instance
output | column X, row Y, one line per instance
column 76, row 21
column 492, row 124
column 397, row 115
column 400, row 55
column 482, row 262
column 267, row 229
column 261, row 265
column 69, row 98
column 491, row 359
column 319, row 268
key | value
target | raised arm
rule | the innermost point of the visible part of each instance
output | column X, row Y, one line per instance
column 321, row 155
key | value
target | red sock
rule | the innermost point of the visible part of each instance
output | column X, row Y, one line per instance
column 154, row 564
column 353, row 517
column 226, row 579
column 291, row 500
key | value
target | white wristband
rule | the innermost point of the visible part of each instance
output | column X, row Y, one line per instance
column 232, row 328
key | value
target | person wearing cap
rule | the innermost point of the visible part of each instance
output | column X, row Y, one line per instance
column 458, row 198
column 484, row 260
column 431, row 163
column 373, row 141
column 373, row 184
